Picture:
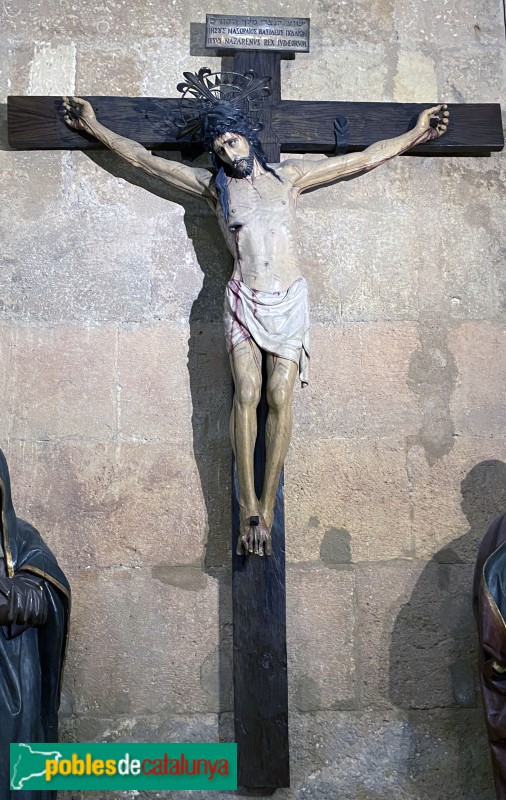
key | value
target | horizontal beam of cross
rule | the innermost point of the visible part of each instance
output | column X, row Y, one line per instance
column 298, row 126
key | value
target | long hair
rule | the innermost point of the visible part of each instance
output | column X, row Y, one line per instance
column 225, row 120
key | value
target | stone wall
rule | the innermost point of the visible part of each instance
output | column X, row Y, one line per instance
column 115, row 392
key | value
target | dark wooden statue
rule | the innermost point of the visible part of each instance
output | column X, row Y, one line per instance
column 34, row 609
column 489, row 599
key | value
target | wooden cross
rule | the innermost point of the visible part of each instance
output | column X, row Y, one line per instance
column 260, row 662
column 292, row 126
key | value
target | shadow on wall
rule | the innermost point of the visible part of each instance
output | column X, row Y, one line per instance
column 433, row 658
column 211, row 393
column 210, row 378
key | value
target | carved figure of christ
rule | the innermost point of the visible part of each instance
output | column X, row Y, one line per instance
column 258, row 223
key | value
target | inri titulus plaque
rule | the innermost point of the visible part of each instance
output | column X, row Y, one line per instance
column 257, row 33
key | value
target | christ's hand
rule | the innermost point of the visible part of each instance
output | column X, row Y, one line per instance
column 433, row 121
column 77, row 113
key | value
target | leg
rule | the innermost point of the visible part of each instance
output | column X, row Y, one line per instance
column 246, row 362
column 280, row 382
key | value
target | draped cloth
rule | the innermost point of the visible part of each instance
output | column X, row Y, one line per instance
column 31, row 657
column 489, row 600
column 277, row 321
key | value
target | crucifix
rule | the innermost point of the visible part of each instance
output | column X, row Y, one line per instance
column 266, row 307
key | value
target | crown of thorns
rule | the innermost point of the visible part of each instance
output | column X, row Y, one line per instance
column 217, row 101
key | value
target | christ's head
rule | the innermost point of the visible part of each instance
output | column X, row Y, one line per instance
column 234, row 150
column 232, row 142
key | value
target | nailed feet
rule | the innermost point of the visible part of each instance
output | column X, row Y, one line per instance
column 254, row 536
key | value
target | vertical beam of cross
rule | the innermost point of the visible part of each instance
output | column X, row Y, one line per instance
column 264, row 64
column 258, row 584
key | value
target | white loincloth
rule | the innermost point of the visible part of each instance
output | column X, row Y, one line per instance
column 277, row 321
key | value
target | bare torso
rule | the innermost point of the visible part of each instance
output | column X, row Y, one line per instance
column 260, row 230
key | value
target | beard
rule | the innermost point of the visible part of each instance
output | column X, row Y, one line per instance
column 243, row 167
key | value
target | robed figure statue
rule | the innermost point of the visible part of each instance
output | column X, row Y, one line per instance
column 34, row 608
column 489, row 597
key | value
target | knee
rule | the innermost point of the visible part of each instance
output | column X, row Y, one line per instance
column 279, row 395
column 247, row 392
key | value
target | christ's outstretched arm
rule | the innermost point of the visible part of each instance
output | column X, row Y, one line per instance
column 79, row 115
column 309, row 174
